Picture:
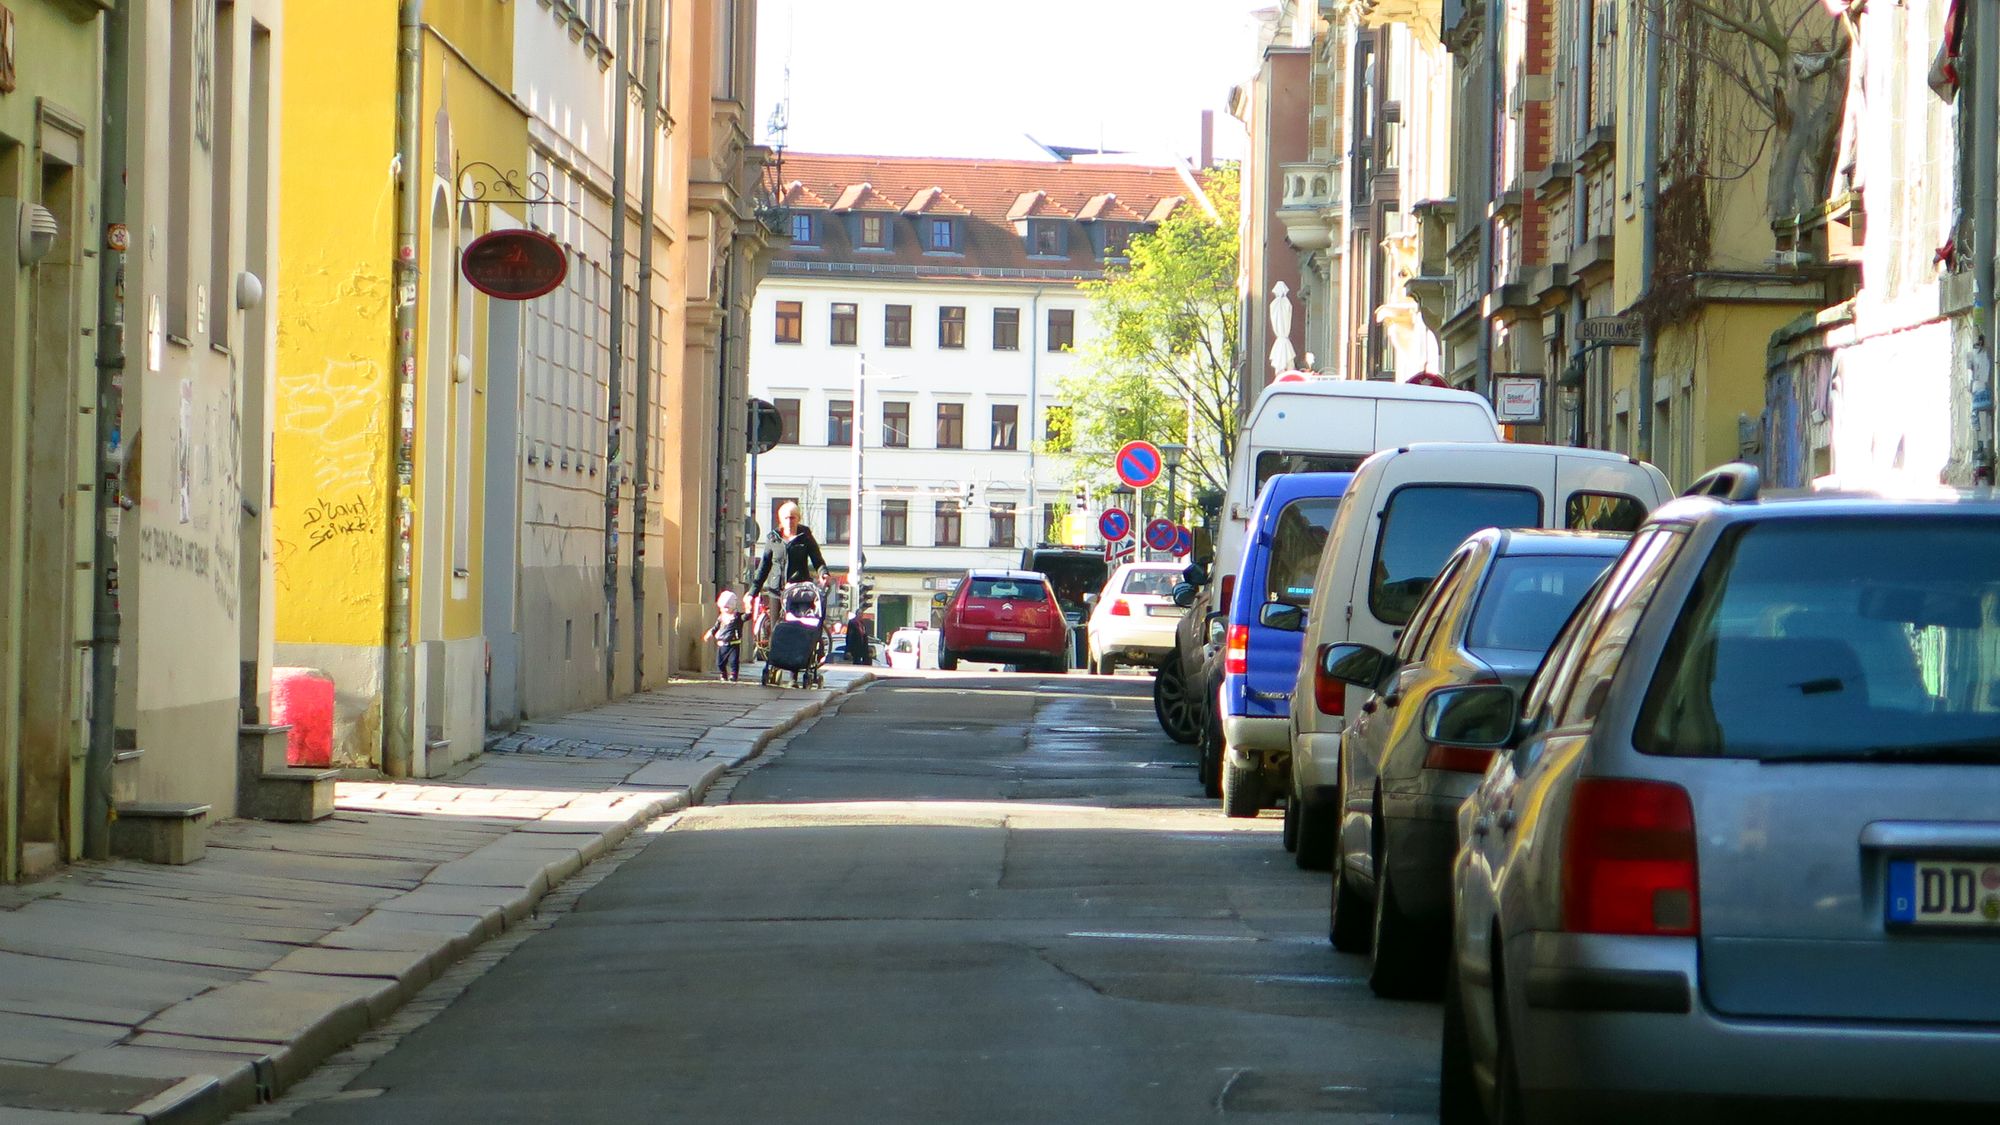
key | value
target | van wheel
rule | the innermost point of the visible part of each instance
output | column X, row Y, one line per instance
column 1348, row 927
column 1172, row 706
column 1402, row 967
column 1315, row 844
column 1458, row 1090
column 1242, row 789
column 1211, row 757
column 1290, row 837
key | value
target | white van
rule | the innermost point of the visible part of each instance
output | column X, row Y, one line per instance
column 1405, row 512
column 1312, row 426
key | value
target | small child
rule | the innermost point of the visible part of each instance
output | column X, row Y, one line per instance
column 727, row 633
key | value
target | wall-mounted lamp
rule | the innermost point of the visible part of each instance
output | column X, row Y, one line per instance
column 249, row 291
column 38, row 233
column 461, row 368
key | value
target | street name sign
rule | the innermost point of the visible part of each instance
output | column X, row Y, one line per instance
column 1618, row 330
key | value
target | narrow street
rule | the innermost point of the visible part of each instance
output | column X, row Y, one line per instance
column 961, row 899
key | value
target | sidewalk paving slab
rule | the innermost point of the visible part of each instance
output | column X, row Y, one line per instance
column 177, row 995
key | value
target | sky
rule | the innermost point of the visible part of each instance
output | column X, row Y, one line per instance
column 976, row 77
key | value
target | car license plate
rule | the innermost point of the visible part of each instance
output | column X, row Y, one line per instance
column 1015, row 638
column 1944, row 892
column 1165, row 610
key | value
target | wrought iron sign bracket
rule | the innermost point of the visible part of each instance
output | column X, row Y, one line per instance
column 483, row 184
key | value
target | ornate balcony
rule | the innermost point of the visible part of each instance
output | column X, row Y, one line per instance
column 1310, row 208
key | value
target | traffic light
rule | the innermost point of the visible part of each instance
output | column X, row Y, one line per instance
column 1082, row 499
column 968, row 494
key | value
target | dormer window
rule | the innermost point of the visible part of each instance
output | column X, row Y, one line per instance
column 1045, row 238
column 944, row 235
column 1116, row 236
column 802, row 229
column 874, row 232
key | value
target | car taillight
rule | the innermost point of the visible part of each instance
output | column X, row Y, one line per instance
column 1121, row 608
column 1629, row 860
column 1457, row 759
column 1236, row 653
column 1228, row 588
column 1329, row 694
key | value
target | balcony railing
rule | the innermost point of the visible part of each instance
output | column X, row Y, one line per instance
column 1312, row 186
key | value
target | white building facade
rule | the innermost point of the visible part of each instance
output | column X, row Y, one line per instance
column 948, row 291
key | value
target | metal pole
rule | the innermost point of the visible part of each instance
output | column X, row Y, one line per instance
column 1649, row 230
column 399, row 676
column 642, row 430
column 105, row 622
column 854, row 507
column 1985, row 169
column 614, row 414
column 1495, row 100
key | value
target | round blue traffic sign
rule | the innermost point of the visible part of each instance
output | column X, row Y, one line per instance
column 1183, row 543
column 1138, row 463
column 1114, row 524
column 1160, row 535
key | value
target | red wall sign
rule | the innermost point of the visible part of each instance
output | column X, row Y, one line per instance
column 514, row 265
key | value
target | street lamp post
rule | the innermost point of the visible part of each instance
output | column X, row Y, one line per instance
column 855, row 507
column 1171, row 454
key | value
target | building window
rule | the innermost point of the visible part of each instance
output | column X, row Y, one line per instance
column 873, row 232
column 896, row 424
column 1006, row 426
column 1053, row 515
column 802, row 229
column 1062, row 329
column 947, row 524
column 843, row 331
column 1058, row 429
column 839, row 519
column 788, row 412
column 1047, row 238
column 951, row 425
column 951, row 326
column 895, row 523
column 942, row 235
column 1003, row 526
column 1117, row 237
column 840, row 421
column 896, row 326
column 1006, row 330
column 791, row 321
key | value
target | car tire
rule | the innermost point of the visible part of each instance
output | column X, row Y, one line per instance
column 1458, row 1090
column 1348, row 924
column 1401, row 964
column 1171, row 704
column 1290, row 836
column 1507, row 1105
column 1315, row 833
column 1211, row 756
column 1242, row 789
column 946, row 661
column 1103, row 666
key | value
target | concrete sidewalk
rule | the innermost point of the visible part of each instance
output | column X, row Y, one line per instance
column 134, row 993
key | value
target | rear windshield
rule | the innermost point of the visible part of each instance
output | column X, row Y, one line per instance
column 1603, row 511
column 1008, row 590
column 1421, row 527
column 1854, row 640
column 1073, row 576
column 1271, row 462
column 1528, row 597
column 1296, row 542
column 1157, row 582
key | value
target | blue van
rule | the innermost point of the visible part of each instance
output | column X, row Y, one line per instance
column 1260, row 656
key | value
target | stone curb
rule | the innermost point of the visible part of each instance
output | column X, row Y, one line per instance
column 356, row 977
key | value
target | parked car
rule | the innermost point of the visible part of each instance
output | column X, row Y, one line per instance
column 1405, row 513
column 1132, row 619
column 1739, row 849
column 1488, row 619
column 912, row 648
column 1005, row 617
column 1074, row 573
column 1320, row 426
column 1261, row 650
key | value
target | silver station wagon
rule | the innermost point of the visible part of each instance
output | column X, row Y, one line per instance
column 1740, row 853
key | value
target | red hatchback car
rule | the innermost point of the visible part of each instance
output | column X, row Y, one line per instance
column 1005, row 617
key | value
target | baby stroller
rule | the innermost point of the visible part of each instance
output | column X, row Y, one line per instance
column 802, row 639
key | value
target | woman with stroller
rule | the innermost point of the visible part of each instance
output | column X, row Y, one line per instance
column 789, row 549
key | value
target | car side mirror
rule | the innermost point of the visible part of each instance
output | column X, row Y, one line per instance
column 1184, row 595
column 1195, row 575
column 1362, row 666
column 1482, row 717
column 1282, row 616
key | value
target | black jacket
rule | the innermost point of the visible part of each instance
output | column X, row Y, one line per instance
column 802, row 560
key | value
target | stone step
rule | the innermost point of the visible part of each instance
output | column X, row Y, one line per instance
column 160, row 831
column 289, row 794
column 38, row 858
column 125, row 774
column 261, row 746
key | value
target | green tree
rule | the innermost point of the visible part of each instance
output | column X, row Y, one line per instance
column 1163, row 368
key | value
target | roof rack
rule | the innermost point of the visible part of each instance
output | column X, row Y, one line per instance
column 1734, row 482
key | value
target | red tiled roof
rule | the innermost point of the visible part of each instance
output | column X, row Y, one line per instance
column 990, row 195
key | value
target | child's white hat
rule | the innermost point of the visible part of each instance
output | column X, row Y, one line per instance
column 726, row 601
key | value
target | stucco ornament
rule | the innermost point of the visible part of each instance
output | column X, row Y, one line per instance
column 1282, row 352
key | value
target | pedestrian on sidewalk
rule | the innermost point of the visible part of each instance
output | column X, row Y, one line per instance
column 857, row 638
column 727, row 633
column 790, row 550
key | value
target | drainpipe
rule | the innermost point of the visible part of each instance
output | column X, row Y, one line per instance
column 399, row 676
column 614, row 437
column 1649, row 229
column 723, row 412
column 1496, row 94
column 649, row 156
column 1579, row 188
column 1985, row 169
column 1034, row 404
column 105, row 622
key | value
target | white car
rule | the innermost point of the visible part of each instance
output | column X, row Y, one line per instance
column 911, row 648
column 1132, row 620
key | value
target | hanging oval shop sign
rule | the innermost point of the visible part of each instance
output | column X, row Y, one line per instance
column 514, row 265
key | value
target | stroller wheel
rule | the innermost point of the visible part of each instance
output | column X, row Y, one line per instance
column 765, row 679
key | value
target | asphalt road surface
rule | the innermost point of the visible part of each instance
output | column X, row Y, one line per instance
column 956, row 899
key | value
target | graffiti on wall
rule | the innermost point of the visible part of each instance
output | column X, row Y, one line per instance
column 327, row 520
